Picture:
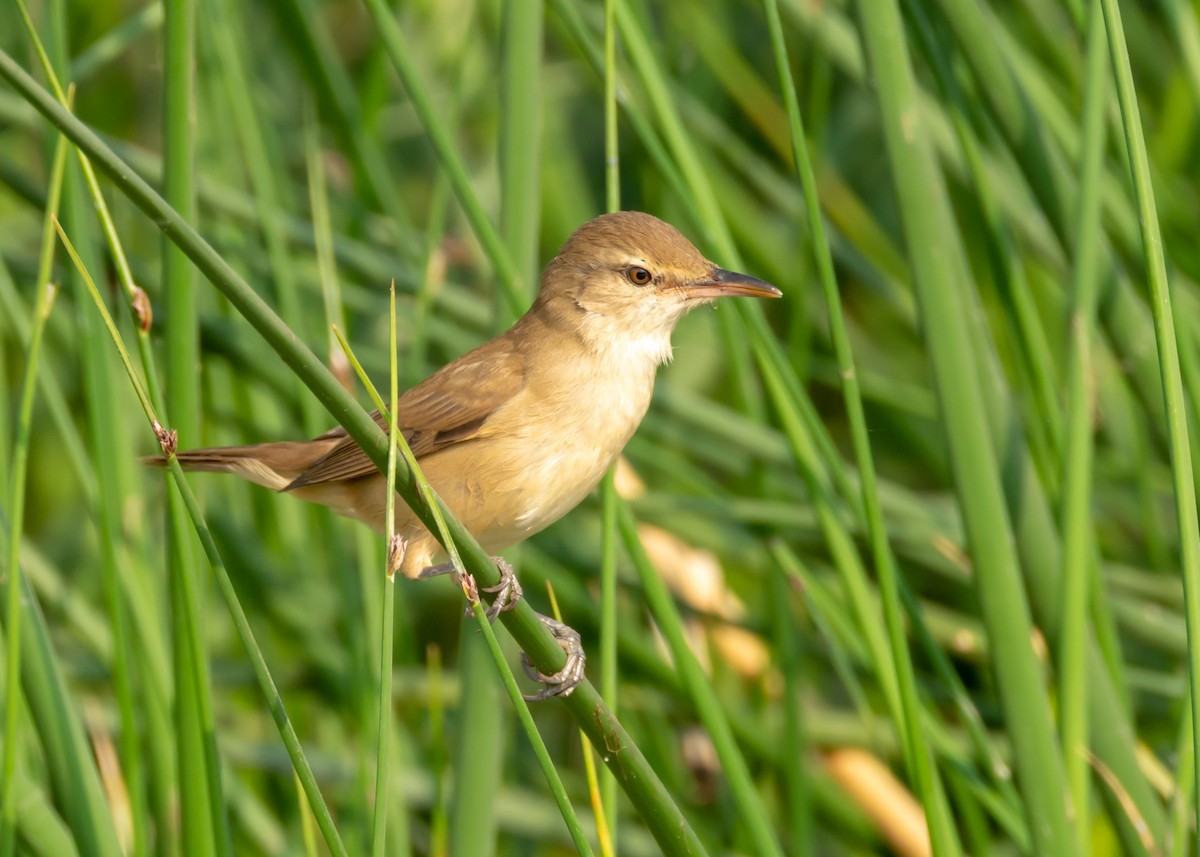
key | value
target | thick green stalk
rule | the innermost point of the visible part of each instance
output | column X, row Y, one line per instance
column 929, row 229
column 623, row 757
column 123, row 661
column 126, row 594
column 1168, row 357
column 1034, row 369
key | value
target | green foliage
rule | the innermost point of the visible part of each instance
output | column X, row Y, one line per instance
column 941, row 478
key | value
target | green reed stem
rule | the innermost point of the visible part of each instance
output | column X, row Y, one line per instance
column 45, row 293
column 1168, row 356
column 1078, row 443
column 395, row 554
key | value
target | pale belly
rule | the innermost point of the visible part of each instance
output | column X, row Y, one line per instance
column 513, row 483
column 554, row 483
column 506, row 490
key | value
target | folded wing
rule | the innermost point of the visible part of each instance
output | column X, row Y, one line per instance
column 449, row 407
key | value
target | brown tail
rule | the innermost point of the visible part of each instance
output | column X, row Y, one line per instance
column 273, row 465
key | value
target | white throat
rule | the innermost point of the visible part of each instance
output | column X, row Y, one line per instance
column 613, row 338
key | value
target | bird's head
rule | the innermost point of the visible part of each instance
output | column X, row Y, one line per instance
column 628, row 277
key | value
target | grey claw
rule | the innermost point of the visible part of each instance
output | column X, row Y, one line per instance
column 508, row 591
column 563, row 682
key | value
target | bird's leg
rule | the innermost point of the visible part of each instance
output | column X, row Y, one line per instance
column 563, row 682
column 507, row 592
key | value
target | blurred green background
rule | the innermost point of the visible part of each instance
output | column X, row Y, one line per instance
column 997, row 294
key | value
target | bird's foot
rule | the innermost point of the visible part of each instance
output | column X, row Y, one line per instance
column 507, row 592
column 563, row 682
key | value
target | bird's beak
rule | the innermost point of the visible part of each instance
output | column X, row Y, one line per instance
column 721, row 283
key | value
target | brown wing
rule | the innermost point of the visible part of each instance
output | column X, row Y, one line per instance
column 450, row 406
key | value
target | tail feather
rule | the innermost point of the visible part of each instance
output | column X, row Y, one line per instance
column 273, row 465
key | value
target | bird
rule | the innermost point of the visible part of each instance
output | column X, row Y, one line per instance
column 514, row 434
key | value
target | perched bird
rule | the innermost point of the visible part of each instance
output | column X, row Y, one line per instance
column 515, row 433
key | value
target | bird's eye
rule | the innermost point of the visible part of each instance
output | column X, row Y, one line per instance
column 638, row 275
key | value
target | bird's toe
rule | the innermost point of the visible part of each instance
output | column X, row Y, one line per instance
column 564, row 681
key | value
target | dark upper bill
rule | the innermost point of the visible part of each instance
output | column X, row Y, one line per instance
column 722, row 283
